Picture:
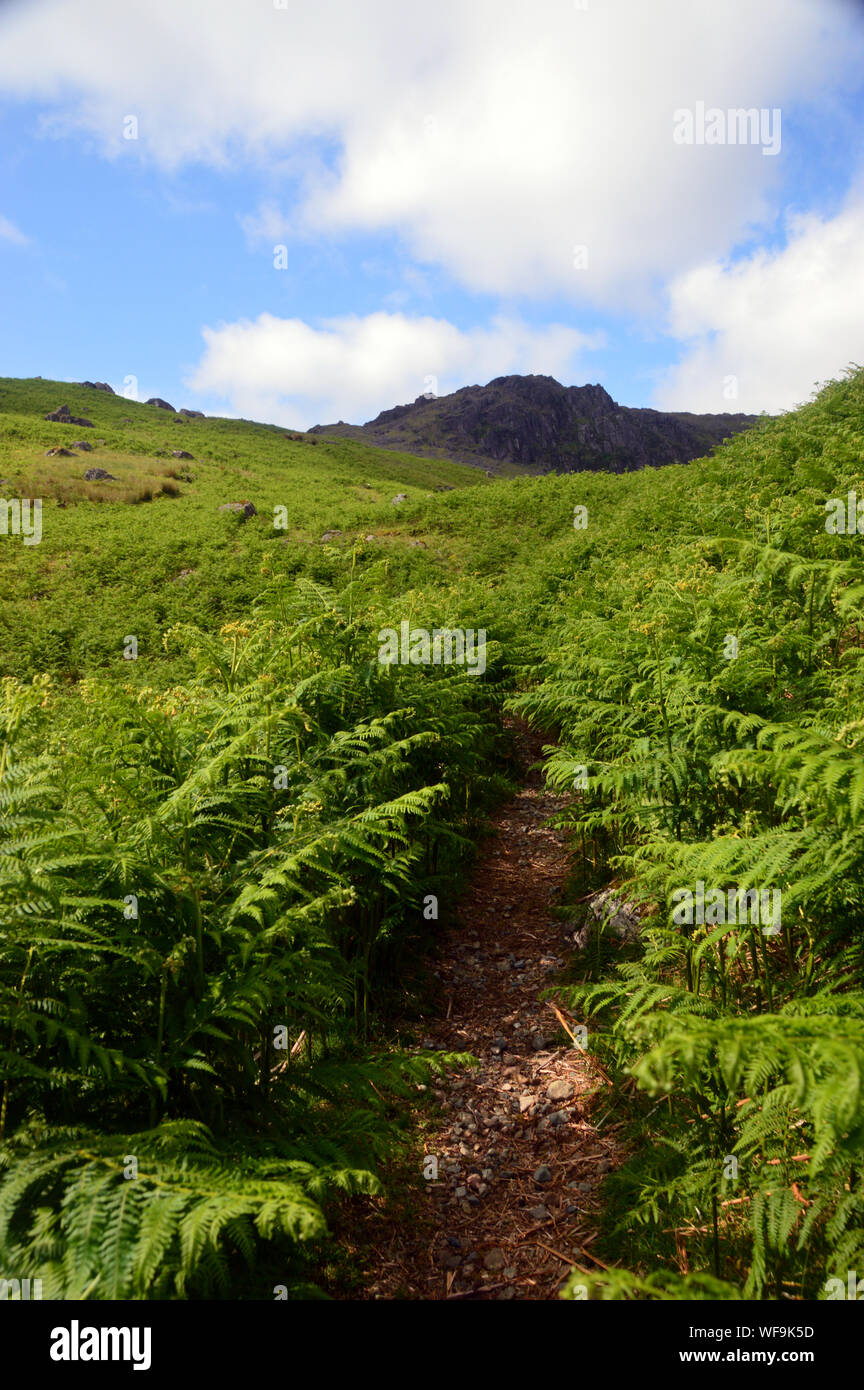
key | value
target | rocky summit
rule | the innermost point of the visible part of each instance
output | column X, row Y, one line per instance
column 539, row 426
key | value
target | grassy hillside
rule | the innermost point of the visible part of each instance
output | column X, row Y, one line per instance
column 151, row 548
column 239, row 833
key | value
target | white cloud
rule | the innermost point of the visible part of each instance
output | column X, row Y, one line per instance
column 291, row 373
column 9, row 232
column 778, row 322
column 493, row 136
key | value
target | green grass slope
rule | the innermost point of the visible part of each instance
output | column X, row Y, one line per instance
column 134, row 555
column 216, row 861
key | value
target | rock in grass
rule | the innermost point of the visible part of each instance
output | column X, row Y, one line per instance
column 61, row 416
column 99, row 386
column 82, row 444
column 163, row 405
column 543, row 1174
column 98, row 475
column 180, row 454
column 246, row 508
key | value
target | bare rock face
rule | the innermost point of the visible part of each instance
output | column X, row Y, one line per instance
column 163, row 405
column 544, row 427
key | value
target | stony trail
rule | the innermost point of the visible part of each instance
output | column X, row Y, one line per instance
column 519, row 1160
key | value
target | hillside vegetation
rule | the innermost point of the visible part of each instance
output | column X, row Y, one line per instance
column 216, row 858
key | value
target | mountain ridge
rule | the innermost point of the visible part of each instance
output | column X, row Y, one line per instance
column 536, row 425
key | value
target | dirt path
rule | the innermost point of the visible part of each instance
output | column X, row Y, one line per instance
column 518, row 1158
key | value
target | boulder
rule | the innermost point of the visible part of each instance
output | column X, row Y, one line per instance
column 99, row 386
column 98, row 475
column 622, row 917
column 180, row 454
column 163, row 405
column 57, row 452
column 330, row 536
column 82, row 444
column 193, row 414
column 245, row 508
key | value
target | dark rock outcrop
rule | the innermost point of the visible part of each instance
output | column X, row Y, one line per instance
column 61, row 416
column 192, row 414
column 99, row 386
column 541, row 426
column 82, row 444
column 98, row 475
column 163, row 405
column 180, row 454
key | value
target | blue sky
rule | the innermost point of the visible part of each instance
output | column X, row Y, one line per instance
column 429, row 177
